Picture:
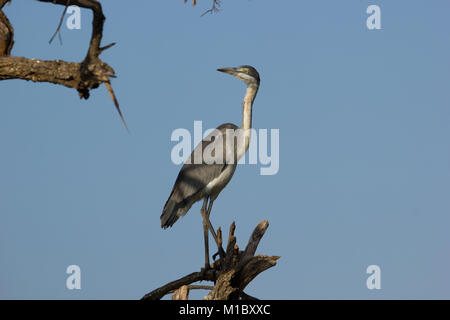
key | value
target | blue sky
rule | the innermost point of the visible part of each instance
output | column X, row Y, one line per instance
column 364, row 122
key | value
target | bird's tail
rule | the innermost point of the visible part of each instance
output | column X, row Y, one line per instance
column 169, row 215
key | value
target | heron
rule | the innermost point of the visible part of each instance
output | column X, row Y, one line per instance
column 204, row 179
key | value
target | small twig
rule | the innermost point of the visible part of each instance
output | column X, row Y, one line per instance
column 209, row 275
column 58, row 29
column 199, row 287
column 195, row 287
column 116, row 103
column 219, row 238
column 107, row 47
column 215, row 8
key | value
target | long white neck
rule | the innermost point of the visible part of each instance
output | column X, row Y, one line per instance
column 246, row 125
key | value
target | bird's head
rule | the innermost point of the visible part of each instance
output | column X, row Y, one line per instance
column 248, row 74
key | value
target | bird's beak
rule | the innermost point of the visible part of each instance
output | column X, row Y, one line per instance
column 231, row 71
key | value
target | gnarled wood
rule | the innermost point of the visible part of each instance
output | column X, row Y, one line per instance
column 182, row 293
column 157, row 294
column 6, row 32
column 231, row 274
column 82, row 76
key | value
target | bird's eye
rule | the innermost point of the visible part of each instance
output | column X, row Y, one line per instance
column 245, row 70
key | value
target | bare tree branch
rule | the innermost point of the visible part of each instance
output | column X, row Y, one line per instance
column 199, row 287
column 181, row 293
column 214, row 8
column 82, row 76
column 235, row 277
column 116, row 103
column 2, row 3
column 6, row 32
column 231, row 275
column 157, row 294
column 58, row 29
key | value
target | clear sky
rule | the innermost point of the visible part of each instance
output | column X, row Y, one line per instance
column 364, row 122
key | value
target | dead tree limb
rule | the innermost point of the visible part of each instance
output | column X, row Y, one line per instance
column 214, row 8
column 182, row 293
column 6, row 32
column 157, row 294
column 230, row 275
column 245, row 266
column 83, row 76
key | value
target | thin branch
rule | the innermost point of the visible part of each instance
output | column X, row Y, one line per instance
column 157, row 294
column 116, row 103
column 194, row 287
column 199, row 287
column 97, row 22
column 107, row 46
column 219, row 239
column 58, row 29
column 3, row 2
column 215, row 7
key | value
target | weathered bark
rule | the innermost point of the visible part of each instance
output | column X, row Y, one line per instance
column 54, row 71
column 230, row 275
column 242, row 268
column 82, row 76
column 214, row 8
column 6, row 32
column 157, row 294
column 181, row 293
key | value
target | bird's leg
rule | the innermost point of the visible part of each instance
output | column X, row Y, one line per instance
column 221, row 252
column 205, row 233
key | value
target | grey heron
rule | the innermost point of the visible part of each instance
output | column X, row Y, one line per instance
column 204, row 180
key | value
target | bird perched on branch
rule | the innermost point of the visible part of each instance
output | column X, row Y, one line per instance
column 212, row 163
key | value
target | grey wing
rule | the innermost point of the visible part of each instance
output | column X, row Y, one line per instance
column 194, row 176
